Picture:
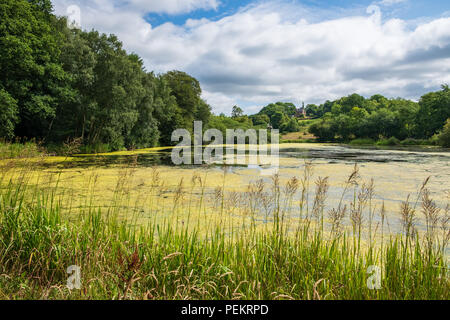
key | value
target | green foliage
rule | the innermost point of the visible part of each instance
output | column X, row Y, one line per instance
column 187, row 92
column 237, row 112
column 362, row 142
column 96, row 148
column 355, row 117
column 278, row 119
column 222, row 123
column 8, row 114
column 290, row 125
column 30, row 48
column 392, row 141
column 280, row 115
column 444, row 136
column 433, row 113
column 323, row 130
column 260, row 119
column 59, row 83
column 287, row 108
column 13, row 150
column 414, row 142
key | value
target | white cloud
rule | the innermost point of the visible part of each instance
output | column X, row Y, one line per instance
column 222, row 103
column 156, row 6
column 172, row 6
column 269, row 52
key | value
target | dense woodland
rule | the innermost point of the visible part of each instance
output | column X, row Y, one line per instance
column 376, row 118
column 59, row 83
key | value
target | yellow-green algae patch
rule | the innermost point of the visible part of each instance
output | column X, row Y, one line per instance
column 192, row 195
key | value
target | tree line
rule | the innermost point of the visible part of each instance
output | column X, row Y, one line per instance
column 59, row 83
column 355, row 117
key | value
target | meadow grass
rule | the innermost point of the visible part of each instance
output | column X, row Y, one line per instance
column 320, row 255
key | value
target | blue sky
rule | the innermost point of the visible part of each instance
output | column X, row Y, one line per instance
column 403, row 9
column 252, row 53
column 226, row 8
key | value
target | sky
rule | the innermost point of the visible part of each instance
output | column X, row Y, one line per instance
column 254, row 52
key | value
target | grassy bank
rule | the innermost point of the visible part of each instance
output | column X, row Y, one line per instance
column 393, row 142
column 43, row 232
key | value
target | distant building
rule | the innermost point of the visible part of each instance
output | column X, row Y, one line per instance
column 301, row 112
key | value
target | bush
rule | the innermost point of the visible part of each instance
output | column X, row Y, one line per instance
column 414, row 142
column 361, row 142
column 444, row 136
column 392, row 141
column 15, row 150
column 323, row 130
column 97, row 148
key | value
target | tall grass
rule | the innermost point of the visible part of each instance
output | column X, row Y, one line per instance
column 13, row 150
column 275, row 256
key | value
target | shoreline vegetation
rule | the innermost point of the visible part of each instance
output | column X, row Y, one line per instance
column 275, row 241
column 84, row 86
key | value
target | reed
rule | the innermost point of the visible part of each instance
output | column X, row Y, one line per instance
column 272, row 253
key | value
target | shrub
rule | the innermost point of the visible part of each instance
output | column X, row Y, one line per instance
column 14, row 150
column 359, row 142
column 414, row 142
column 97, row 148
column 444, row 136
column 392, row 141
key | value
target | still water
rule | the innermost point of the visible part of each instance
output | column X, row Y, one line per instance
column 397, row 173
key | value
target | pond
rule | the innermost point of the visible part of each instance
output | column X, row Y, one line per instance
column 397, row 174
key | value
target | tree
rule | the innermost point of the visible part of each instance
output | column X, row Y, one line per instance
column 444, row 135
column 237, row 112
column 76, row 111
column 203, row 112
column 260, row 120
column 111, row 92
column 29, row 64
column 43, row 5
column 8, row 115
column 353, row 100
column 278, row 119
column 433, row 112
column 187, row 91
column 290, row 126
column 312, row 110
column 166, row 111
column 112, row 100
column 323, row 130
column 144, row 132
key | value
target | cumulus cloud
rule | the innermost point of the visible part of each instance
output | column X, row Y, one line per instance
column 276, row 51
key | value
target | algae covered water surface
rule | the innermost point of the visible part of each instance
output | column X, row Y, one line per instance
column 150, row 183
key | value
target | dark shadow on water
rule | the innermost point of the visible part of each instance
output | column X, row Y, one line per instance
column 344, row 153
